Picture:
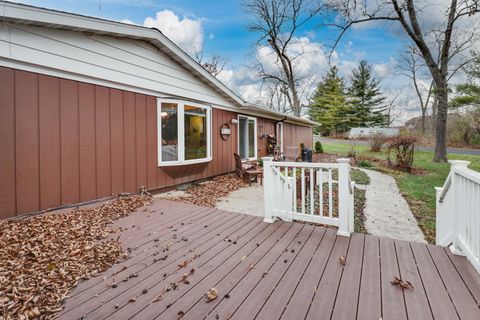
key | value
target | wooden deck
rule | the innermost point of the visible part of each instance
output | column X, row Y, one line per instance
column 270, row 271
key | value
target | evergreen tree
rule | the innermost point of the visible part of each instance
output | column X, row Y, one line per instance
column 328, row 104
column 366, row 98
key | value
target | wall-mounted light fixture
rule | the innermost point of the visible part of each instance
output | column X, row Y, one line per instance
column 234, row 121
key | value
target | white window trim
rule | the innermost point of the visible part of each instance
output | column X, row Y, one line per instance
column 181, row 133
column 238, row 135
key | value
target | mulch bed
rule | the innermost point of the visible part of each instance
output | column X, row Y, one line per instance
column 208, row 192
column 42, row 258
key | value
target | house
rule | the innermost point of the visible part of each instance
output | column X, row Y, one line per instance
column 91, row 108
column 358, row 133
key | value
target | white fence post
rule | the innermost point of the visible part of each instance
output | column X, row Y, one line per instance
column 344, row 201
column 455, row 248
column 268, row 189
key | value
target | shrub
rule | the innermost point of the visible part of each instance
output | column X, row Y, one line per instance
column 365, row 164
column 318, row 147
column 403, row 148
column 376, row 141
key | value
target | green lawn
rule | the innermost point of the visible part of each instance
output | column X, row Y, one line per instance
column 418, row 190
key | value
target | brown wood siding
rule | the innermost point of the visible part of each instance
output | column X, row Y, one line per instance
column 293, row 135
column 64, row 141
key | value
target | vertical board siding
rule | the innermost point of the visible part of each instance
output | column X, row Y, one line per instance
column 129, row 142
column 64, row 141
column 69, row 141
column 151, row 130
column 27, row 142
column 49, row 115
column 7, row 143
column 116, row 143
column 141, row 139
column 102, row 138
column 86, row 111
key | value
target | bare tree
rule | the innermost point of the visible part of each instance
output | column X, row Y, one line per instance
column 411, row 66
column 214, row 64
column 277, row 22
column 392, row 105
column 408, row 14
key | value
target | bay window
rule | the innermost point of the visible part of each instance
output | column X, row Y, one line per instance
column 183, row 133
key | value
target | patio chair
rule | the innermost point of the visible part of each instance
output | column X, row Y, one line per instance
column 248, row 171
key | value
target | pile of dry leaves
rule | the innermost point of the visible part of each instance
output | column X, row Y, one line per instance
column 42, row 258
column 208, row 192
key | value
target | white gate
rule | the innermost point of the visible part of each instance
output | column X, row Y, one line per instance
column 311, row 192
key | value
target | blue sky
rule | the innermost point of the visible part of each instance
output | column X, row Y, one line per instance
column 220, row 27
column 225, row 22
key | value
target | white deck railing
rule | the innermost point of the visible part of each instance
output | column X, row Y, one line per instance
column 308, row 192
column 458, row 212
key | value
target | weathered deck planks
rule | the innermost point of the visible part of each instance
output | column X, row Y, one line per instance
column 270, row 271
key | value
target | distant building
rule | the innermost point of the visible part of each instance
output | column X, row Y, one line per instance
column 356, row 133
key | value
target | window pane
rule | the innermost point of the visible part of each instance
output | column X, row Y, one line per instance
column 243, row 138
column 251, row 138
column 195, row 132
column 169, row 114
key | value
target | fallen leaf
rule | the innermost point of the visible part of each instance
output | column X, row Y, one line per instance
column 343, row 260
column 402, row 284
column 211, row 295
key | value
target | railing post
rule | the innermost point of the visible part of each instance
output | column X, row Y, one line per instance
column 268, row 188
column 439, row 218
column 344, row 228
column 455, row 164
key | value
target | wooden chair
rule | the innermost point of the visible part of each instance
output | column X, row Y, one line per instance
column 247, row 170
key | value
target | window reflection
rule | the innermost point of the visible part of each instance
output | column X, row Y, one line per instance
column 195, row 120
column 169, row 114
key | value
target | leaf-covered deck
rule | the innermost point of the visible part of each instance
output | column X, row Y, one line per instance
column 179, row 252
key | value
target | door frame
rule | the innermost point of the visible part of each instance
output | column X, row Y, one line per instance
column 255, row 133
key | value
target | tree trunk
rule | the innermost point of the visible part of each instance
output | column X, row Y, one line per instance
column 423, row 121
column 441, row 122
column 434, row 114
column 296, row 108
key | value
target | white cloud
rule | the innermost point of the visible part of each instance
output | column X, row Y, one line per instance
column 127, row 21
column 310, row 65
column 187, row 33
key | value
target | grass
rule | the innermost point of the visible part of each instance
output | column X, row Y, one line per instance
column 359, row 177
column 418, row 190
column 356, row 175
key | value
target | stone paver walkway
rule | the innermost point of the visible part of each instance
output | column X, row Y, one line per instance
column 248, row 200
column 387, row 212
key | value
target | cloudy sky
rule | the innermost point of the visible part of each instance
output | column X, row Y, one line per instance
column 220, row 27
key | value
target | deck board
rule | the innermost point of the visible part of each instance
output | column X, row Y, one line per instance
column 266, row 271
column 370, row 296
column 415, row 299
column 442, row 306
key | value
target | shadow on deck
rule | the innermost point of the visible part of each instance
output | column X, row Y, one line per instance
column 270, row 271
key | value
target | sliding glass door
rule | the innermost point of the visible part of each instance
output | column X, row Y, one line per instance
column 247, row 137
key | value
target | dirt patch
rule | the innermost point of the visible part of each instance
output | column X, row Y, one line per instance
column 42, row 258
column 383, row 166
column 328, row 158
column 208, row 192
column 359, row 204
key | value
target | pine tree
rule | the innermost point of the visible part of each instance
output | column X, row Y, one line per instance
column 366, row 98
column 329, row 106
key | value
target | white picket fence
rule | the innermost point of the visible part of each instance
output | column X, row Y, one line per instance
column 458, row 212
column 308, row 192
